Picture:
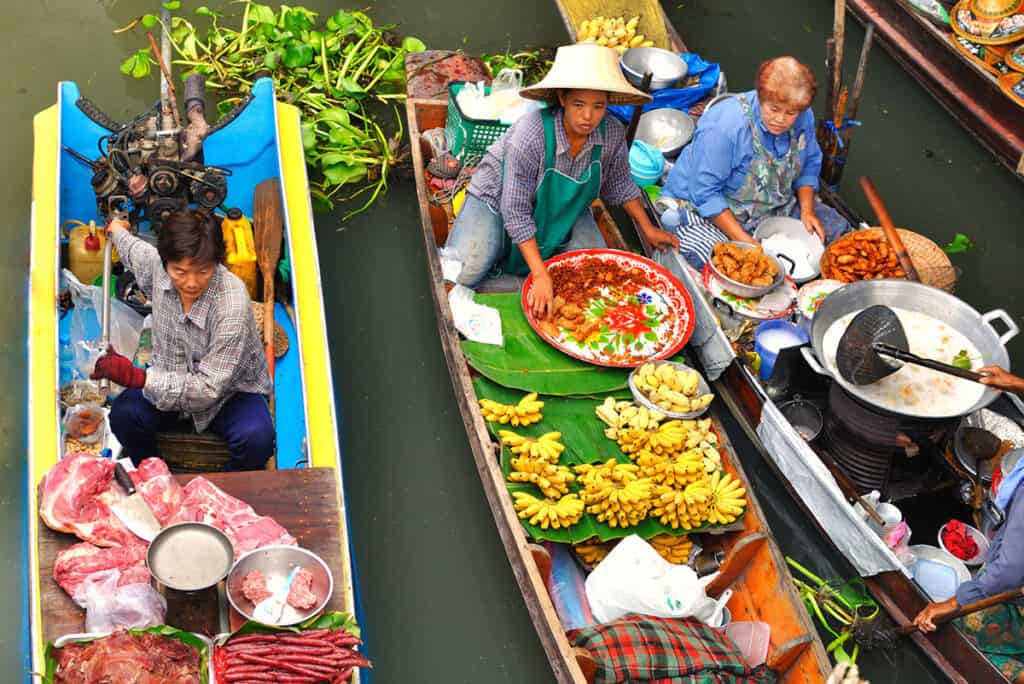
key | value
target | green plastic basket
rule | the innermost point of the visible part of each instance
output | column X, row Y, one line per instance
column 469, row 137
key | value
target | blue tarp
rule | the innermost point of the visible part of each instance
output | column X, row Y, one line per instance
column 678, row 98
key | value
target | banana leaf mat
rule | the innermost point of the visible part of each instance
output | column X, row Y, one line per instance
column 526, row 362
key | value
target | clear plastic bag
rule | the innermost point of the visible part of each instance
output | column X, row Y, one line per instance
column 86, row 423
column 125, row 325
column 109, row 607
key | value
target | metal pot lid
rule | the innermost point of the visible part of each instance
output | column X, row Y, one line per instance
column 190, row 556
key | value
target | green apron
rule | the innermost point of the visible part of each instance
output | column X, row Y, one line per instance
column 559, row 201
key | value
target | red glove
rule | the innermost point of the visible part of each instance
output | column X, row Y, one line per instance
column 119, row 369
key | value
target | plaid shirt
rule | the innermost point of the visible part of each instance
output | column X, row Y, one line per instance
column 509, row 175
column 644, row 648
column 200, row 358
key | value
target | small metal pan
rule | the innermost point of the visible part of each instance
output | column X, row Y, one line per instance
column 190, row 556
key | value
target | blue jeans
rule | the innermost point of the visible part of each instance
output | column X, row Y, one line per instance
column 243, row 422
column 478, row 234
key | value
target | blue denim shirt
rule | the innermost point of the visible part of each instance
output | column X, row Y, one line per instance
column 715, row 163
column 1004, row 564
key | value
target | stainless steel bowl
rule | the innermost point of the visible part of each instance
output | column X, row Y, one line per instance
column 189, row 556
column 276, row 563
column 667, row 67
column 666, row 129
column 742, row 289
column 642, row 399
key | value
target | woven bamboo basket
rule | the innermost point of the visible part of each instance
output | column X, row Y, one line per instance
column 932, row 264
column 280, row 337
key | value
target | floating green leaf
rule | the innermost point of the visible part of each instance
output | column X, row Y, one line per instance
column 297, row 55
column 150, row 20
column 410, row 44
column 172, row 5
column 960, row 243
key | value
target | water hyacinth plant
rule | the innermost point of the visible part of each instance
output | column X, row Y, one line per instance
column 342, row 72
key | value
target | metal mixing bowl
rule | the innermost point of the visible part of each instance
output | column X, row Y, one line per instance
column 666, row 129
column 278, row 562
column 189, row 556
column 667, row 68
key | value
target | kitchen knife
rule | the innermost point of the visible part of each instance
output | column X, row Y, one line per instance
column 133, row 511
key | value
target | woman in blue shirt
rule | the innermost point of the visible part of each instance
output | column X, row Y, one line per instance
column 754, row 155
column 999, row 630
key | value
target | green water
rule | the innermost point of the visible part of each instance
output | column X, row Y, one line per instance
column 441, row 603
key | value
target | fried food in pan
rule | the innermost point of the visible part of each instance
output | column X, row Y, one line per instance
column 747, row 266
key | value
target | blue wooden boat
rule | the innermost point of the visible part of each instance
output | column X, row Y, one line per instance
column 260, row 140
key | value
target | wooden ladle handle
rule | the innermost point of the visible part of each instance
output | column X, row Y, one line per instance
column 889, row 229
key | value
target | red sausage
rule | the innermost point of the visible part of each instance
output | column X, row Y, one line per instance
column 274, row 663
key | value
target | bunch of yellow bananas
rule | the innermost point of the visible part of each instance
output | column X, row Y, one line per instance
column 544, row 448
column 673, row 548
column 727, row 499
column 553, row 480
column 614, row 493
column 621, row 415
column 546, row 513
column 670, row 389
column 686, row 508
column 593, row 553
column 526, row 412
column 670, row 436
column 613, row 32
column 674, row 469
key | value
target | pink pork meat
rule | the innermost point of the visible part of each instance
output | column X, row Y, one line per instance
column 74, row 564
column 75, row 496
column 159, row 489
column 254, row 586
column 300, row 594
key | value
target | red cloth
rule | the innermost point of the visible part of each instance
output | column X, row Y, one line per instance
column 119, row 369
column 958, row 540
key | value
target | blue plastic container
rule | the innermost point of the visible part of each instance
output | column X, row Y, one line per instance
column 646, row 163
column 772, row 336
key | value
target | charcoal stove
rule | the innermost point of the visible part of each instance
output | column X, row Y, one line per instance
column 883, row 451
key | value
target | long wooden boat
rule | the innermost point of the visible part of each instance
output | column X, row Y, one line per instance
column 753, row 565
column 889, row 583
column 306, row 491
column 965, row 89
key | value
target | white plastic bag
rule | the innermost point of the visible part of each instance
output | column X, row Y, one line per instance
column 633, row 578
column 125, row 325
column 474, row 103
column 109, row 607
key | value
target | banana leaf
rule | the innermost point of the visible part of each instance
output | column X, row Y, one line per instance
column 584, row 440
column 528, row 363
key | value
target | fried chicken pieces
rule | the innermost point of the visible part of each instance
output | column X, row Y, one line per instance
column 862, row 255
column 748, row 266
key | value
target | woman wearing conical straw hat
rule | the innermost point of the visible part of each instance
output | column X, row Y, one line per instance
column 530, row 196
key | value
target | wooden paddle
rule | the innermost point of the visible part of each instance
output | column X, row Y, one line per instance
column 268, row 220
column 994, row 600
column 634, row 120
column 889, row 229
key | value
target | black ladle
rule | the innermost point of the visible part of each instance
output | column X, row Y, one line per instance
column 875, row 337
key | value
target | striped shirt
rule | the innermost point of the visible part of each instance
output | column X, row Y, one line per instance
column 521, row 149
column 203, row 357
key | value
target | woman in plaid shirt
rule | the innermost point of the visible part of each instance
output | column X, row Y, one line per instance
column 208, row 364
column 530, row 196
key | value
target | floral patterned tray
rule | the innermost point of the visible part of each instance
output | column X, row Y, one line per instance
column 646, row 318
column 775, row 304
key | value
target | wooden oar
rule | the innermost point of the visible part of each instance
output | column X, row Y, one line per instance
column 889, row 229
column 634, row 120
column 994, row 600
column 268, row 219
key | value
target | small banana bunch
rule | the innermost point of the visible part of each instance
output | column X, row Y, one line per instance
column 613, row 32
column 670, row 389
column 670, row 436
column 553, row 480
column 619, row 415
column 711, row 457
column 592, row 553
column 544, row 448
column 614, row 493
column 686, row 508
column 676, row 469
column 673, row 548
column 727, row 498
column 526, row 412
column 546, row 513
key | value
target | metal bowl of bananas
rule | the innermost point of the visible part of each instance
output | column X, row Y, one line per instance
column 671, row 388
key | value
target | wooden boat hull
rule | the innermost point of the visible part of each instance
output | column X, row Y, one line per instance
column 969, row 93
column 263, row 141
column 762, row 593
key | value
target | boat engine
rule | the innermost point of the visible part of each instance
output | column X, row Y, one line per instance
column 157, row 163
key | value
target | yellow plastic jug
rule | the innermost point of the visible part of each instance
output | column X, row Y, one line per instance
column 86, row 242
column 240, row 248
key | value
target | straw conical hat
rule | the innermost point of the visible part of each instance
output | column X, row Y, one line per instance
column 989, row 22
column 586, row 67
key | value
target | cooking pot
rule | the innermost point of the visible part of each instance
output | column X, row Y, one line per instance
column 911, row 296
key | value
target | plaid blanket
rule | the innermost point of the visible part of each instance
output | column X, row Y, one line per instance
column 643, row 648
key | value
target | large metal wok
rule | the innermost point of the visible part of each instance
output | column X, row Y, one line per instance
column 913, row 297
